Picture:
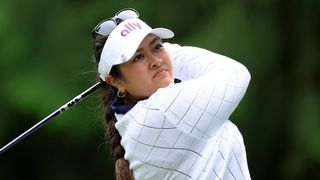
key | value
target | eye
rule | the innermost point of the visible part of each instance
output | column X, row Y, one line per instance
column 158, row 46
column 138, row 57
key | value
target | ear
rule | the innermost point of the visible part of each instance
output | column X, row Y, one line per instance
column 114, row 82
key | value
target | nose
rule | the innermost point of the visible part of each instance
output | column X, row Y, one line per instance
column 155, row 61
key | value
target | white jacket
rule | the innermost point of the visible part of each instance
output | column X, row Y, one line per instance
column 182, row 131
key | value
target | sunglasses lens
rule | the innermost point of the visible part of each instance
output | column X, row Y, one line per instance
column 105, row 28
column 127, row 14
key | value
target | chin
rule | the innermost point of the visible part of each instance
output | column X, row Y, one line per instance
column 166, row 82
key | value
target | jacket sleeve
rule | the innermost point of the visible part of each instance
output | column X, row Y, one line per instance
column 212, row 88
column 191, row 62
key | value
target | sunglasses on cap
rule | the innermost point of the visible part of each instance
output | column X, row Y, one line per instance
column 105, row 27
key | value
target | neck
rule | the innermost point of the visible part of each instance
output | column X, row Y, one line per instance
column 128, row 99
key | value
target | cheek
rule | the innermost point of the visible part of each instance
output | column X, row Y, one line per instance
column 135, row 76
column 134, row 71
column 169, row 64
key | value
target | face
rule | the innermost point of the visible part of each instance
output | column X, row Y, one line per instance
column 149, row 69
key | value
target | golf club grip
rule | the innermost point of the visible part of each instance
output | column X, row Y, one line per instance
column 63, row 108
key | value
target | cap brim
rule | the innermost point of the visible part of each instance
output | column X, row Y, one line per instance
column 162, row 33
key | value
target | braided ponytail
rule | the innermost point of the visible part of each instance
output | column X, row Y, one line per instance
column 122, row 170
column 122, row 165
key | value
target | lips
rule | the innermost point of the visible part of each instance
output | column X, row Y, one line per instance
column 160, row 72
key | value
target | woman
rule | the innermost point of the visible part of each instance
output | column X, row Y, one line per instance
column 167, row 106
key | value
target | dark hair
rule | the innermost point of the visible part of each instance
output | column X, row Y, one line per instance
column 122, row 170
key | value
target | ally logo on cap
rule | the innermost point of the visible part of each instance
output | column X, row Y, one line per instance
column 129, row 27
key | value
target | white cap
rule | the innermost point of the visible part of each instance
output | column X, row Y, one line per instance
column 124, row 41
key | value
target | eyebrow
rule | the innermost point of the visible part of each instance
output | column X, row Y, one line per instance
column 150, row 44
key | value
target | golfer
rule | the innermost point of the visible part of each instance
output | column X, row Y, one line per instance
column 167, row 106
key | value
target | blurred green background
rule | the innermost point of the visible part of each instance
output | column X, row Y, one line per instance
column 46, row 60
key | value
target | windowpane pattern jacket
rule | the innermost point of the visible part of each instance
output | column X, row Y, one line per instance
column 183, row 131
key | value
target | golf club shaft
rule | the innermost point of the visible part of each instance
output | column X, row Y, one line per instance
column 63, row 108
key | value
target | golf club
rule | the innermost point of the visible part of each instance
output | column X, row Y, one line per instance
column 63, row 108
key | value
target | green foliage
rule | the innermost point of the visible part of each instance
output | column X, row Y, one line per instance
column 46, row 60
